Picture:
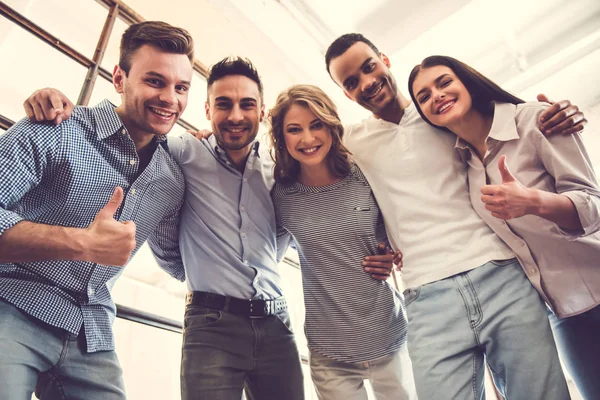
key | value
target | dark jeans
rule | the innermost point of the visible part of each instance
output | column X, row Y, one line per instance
column 224, row 353
column 34, row 354
column 578, row 340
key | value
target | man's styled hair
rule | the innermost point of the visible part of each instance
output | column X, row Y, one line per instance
column 287, row 169
column 484, row 92
column 343, row 43
column 161, row 35
column 234, row 65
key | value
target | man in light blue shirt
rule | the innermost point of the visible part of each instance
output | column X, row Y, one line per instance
column 237, row 329
column 227, row 227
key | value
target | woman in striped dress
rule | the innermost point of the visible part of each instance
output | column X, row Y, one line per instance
column 355, row 323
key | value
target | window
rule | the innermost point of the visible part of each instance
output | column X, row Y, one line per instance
column 77, row 22
column 111, row 56
column 38, row 67
column 104, row 89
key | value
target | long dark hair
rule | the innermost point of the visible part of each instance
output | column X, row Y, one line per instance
column 483, row 90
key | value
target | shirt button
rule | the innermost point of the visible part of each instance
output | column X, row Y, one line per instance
column 132, row 162
column 522, row 244
column 246, row 262
column 243, row 234
column 123, row 131
column 91, row 292
column 242, row 208
column 533, row 271
column 132, row 191
column 245, row 179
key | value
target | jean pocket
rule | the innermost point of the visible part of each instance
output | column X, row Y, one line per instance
column 411, row 295
column 200, row 317
column 502, row 263
column 284, row 318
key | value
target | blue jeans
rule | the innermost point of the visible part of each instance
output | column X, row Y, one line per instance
column 37, row 356
column 225, row 353
column 493, row 314
column 578, row 340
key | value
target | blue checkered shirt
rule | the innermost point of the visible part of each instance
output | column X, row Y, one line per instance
column 63, row 175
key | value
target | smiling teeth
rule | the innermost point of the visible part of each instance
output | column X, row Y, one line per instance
column 161, row 113
column 442, row 108
column 236, row 130
column 376, row 92
column 311, row 150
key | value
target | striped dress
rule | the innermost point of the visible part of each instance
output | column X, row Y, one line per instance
column 350, row 316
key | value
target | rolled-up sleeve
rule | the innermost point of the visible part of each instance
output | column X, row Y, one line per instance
column 26, row 150
column 566, row 159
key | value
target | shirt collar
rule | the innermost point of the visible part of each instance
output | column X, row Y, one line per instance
column 108, row 123
column 408, row 111
column 504, row 125
column 106, row 120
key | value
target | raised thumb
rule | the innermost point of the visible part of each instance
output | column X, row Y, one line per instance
column 504, row 172
column 113, row 204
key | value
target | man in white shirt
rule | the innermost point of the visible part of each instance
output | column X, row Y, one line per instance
column 455, row 267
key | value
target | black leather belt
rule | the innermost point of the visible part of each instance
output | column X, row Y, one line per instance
column 251, row 308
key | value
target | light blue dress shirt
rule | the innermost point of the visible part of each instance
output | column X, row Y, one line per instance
column 227, row 233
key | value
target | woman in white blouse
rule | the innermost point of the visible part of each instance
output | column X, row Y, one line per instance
column 546, row 207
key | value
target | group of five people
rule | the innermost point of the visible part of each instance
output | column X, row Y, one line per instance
column 477, row 240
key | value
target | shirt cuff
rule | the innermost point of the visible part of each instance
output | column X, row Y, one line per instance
column 8, row 219
column 588, row 211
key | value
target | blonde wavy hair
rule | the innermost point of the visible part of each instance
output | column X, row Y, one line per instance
column 286, row 168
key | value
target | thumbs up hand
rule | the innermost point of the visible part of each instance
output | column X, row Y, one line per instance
column 510, row 199
column 109, row 241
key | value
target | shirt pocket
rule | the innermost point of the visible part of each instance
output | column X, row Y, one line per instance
column 369, row 227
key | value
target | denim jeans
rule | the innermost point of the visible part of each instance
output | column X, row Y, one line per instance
column 493, row 314
column 578, row 340
column 37, row 356
column 224, row 353
column 390, row 376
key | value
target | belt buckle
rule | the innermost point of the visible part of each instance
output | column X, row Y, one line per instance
column 256, row 311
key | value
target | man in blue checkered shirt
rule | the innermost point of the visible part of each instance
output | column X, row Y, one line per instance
column 77, row 200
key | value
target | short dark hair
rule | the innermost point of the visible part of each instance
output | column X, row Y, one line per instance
column 161, row 35
column 483, row 90
column 343, row 43
column 287, row 170
column 234, row 66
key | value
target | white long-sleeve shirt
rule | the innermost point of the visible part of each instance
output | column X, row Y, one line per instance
column 563, row 267
column 420, row 183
